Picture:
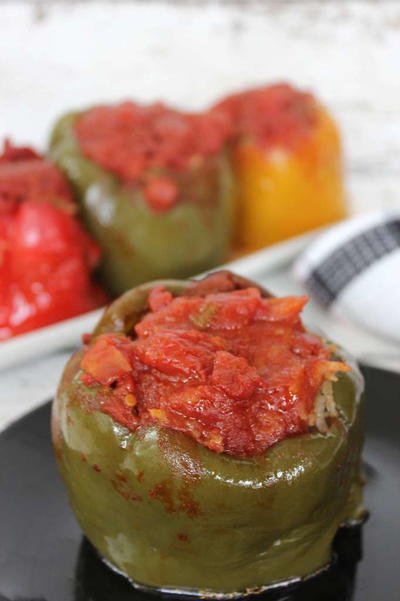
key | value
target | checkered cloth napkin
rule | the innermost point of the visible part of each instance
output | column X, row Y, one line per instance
column 353, row 270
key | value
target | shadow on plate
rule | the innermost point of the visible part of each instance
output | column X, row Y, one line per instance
column 96, row 582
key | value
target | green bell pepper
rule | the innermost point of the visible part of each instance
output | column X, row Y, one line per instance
column 138, row 243
column 173, row 515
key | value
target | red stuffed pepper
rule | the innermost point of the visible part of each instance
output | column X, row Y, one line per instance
column 46, row 258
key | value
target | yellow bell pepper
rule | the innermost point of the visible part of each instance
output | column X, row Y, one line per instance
column 285, row 186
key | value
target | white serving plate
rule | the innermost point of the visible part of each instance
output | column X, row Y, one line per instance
column 66, row 334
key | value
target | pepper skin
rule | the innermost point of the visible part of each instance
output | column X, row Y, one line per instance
column 171, row 514
column 289, row 175
column 140, row 240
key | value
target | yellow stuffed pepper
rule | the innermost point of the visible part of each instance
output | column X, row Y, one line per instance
column 288, row 164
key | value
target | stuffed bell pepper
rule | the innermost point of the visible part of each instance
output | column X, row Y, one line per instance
column 154, row 185
column 287, row 162
column 46, row 258
column 209, row 443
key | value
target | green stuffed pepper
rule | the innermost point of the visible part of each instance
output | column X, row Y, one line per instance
column 209, row 443
column 154, row 185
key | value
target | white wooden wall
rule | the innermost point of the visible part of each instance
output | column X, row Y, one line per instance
column 57, row 55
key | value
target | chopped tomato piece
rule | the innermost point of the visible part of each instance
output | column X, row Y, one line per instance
column 105, row 362
column 159, row 297
column 245, row 380
column 161, row 194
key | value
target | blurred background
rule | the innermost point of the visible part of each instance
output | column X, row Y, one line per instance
column 57, row 55
column 60, row 55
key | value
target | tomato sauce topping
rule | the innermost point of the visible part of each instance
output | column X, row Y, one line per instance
column 25, row 175
column 129, row 139
column 276, row 115
column 45, row 256
column 234, row 370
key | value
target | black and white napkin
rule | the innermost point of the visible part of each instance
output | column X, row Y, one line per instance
column 353, row 270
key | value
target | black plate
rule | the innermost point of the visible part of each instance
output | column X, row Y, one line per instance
column 43, row 556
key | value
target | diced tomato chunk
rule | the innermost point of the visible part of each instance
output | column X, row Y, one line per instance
column 234, row 375
column 282, row 309
column 161, row 194
column 159, row 297
column 105, row 362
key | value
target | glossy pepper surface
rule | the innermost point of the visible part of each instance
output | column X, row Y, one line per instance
column 288, row 164
column 46, row 257
column 155, row 188
column 173, row 514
